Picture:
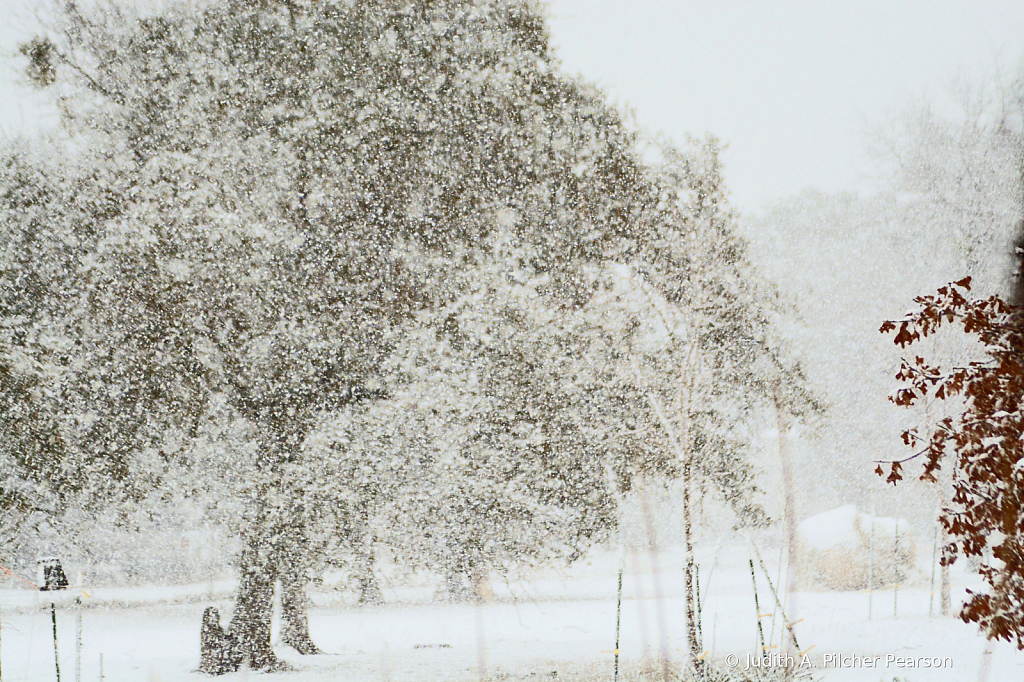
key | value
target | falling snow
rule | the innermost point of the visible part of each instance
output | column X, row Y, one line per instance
column 360, row 339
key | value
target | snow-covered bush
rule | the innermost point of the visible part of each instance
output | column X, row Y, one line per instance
column 846, row 549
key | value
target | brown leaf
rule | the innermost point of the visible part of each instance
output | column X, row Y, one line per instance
column 904, row 337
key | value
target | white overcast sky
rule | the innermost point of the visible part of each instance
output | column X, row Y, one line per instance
column 791, row 86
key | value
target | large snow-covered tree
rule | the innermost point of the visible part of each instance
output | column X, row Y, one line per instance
column 274, row 168
column 308, row 221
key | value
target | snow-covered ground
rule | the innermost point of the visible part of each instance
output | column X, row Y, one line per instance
column 561, row 625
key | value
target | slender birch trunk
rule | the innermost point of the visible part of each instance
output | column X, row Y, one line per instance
column 686, row 357
column 944, row 585
column 681, row 443
column 692, row 640
column 686, row 388
column 793, row 573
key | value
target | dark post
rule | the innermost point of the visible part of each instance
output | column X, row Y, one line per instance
column 618, row 624
column 56, row 654
column 757, row 608
column 698, row 602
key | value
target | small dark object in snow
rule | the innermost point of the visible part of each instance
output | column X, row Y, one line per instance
column 433, row 646
column 52, row 577
column 219, row 652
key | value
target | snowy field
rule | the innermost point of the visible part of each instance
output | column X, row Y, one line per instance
column 556, row 625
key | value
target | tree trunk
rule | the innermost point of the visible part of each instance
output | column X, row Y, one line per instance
column 793, row 570
column 261, row 566
column 458, row 585
column 692, row 641
column 944, row 588
column 254, row 607
column 460, row 574
column 291, row 558
column 369, row 589
column 480, row 584
column 684, row 451
column 294, row 614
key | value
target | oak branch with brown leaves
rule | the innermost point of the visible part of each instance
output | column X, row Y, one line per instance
column 983, row 443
